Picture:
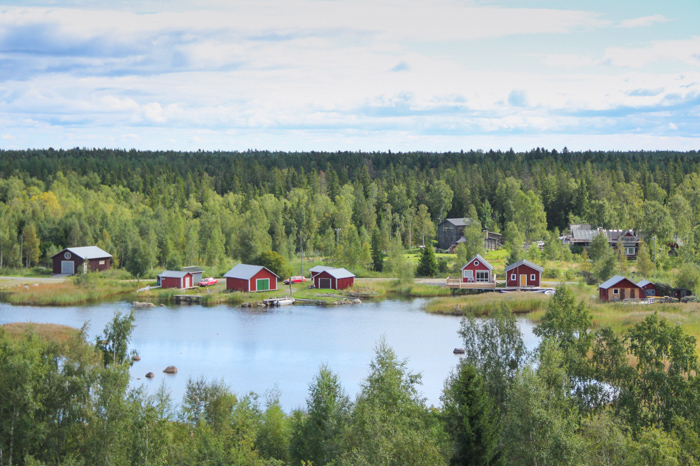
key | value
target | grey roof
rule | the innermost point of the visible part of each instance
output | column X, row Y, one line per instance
column 482, row 260
column 320, row 268
column 614, row 281
column 642, row 283
column 193, row 269
column 458, row 222
column 524, row 262
column 580, row 226
column 588, row 235
column 173, row 274
column 340, row 273
column 87, row 252
column 246, row 272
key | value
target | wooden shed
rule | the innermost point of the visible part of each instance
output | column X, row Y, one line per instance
column 619, row 288
column 648, row 287
column 334, row 279
column 83, row 259
column 244, row 277
column 176, row 279
column 523, row 274
column 478, row 270
column 318, row 269
column 196, row 273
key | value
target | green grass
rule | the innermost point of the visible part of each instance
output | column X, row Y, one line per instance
column 483, row 304
column 65, row 293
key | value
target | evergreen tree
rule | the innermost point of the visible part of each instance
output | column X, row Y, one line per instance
column 645, row 265
column 378, row 255
column 427, row 266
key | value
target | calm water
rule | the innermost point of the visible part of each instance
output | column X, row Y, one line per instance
column 283, row 348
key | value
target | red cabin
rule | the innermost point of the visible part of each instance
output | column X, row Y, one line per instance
column 648, row 287
column 478, row 270
column 318, row 269
column 81, row 260
column 249, row 278
column 334, row 279
column 175, row 279
column 523, row 274
column 619, row 288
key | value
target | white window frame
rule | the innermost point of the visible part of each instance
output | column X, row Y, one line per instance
column 482, row 276
column 616, row 291
column 102, row 262
column 476, row 263
column 629, row 250
column 532, row 277
column 468, row 274
column 513, row 276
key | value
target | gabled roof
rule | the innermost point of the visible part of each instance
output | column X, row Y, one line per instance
column 246, row 272
column 524, row 262
column 458, row 222
column 320, row 268
column 614, row 281
column 86, row 252
column 480, row 259
column 173, row 274
column 643, row 283
column 193, row 269
column 339, row 273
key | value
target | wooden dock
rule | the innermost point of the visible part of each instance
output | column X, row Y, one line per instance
column 457, row 283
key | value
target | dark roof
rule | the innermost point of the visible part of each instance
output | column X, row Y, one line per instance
column 246, row 272
column 480, row 259
column 86, row 252
column 524, row 262
column 614, row 281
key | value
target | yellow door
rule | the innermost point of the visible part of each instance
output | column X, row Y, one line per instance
column 523, row 280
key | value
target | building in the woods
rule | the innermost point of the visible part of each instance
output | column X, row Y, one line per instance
column 523, row 274
column 680, row 293
column 334, row 279
column 648, row 287
column 81, row 260
column 450, row 233
column 244, row 277
column 478, row 271
column 318, row 269
column 619, row 288
column 196, row 273
column 582, row 235
column 176, row 279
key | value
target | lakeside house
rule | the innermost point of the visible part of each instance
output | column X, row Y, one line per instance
column 619, row 288
column 82, row 259
column 523, row 274
column 176, row 279
column 582, row 235
column 334, row 279
column 478, row 271
column 318, row 269
column 450, row 233
column 196, row 273
column 251, row 278
column 648, row 287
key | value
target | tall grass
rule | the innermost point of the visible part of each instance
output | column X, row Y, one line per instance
column 65, row 293
column 484, row 304
column 53, row 332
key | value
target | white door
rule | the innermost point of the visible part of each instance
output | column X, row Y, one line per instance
column 67, row 267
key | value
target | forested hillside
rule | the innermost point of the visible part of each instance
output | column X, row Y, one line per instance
column 173, row 208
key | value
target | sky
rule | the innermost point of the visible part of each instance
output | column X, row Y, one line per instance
column 369, row 75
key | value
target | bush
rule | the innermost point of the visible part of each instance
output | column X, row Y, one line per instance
column 42, row 271
column 442, row 265
column 551, row 273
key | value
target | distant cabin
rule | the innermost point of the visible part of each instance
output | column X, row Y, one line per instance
column 648, row 287
column 478, row 270
column 523, row 274
column 250, row 278
column 196, row 273
column 619, row 288
column 318, row 269
column 450, row 233
column 176, row 279
column 334, row 279
column 81, row 260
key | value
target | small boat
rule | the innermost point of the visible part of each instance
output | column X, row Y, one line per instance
column 279, row 301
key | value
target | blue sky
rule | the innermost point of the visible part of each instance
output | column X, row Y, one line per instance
column 350, row 75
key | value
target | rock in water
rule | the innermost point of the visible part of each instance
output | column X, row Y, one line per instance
column 170, row 370
column 150, row 375
column 356, row 301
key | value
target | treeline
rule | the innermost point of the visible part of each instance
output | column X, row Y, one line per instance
column 576, row 399
column 173, row 208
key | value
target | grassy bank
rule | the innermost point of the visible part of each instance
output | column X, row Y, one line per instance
column 484, row 304
column 53, row 332
column 66, row 293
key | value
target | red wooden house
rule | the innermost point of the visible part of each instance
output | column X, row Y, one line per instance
column 81, row 260
column 318, row 269
column 619, row 288
column 176, row 279
column 334, row 279
column 478, row 270
column 648, row 287
column 523, row 274
column 244, row 277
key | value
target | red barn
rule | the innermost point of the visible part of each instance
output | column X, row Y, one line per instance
column 244, row 277
column 648, row 287
column 478, row 270
column 334, row 279
column 175, row 279
column 84, row 259
column 523, row 274
column 318, row 269
column 619, row 288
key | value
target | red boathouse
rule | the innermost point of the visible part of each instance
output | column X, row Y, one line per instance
column 523, row 274
column 176, row 279
column 334, row 279
column 81, row 260
column 249, row 278
column 619, row 288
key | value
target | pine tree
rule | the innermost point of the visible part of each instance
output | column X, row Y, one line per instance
column 428, row 266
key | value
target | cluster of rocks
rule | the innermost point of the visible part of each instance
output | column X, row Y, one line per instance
column 255, row 304
column 142, row 305
column 348, row 301
column 150, row 375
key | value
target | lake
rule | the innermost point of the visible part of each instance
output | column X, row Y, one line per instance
column 282, row 348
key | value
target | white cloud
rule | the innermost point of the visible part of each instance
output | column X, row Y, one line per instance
column 684, row 51
column 643, row 21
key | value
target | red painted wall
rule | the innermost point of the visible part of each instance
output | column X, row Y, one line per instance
column 340, row 284
column 264, row 273
column 236, row 284
column 649, row 286
column 93, row 264
column 471, row 266
column 607, row 295
column 519, row 270
column 345, row 283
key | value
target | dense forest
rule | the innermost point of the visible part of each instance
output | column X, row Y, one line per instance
column 171, row 208
column 574, row 400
